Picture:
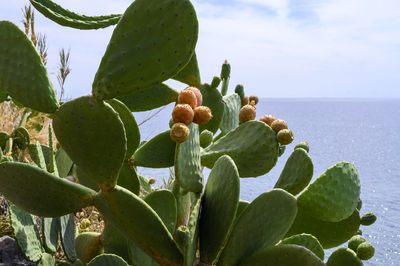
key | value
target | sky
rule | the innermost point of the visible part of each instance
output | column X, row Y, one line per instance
column 276, row 48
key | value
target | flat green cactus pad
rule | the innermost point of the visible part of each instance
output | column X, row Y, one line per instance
column 50, row 229
column 88, row 245
column 159, row 152
column 131, row 127
column 151, row 98
column 334, row 195
column 128, row 178
column 37, row 155
column 230, row 119
column 297, row 172
column 241, row 206
column 329, row 234
column 63, row 162
column 82, row 127
column 68, row 18
column 20, row 64
column 149, row 232
column 67, row 235
column 190, row 74
column 344, row 256
column 284, row 255
column 26, row 233
column 188, row 169
column 164, row 204
column 212, row 98
column 219, row 206
column 193, row 225
column 252, row 146
column 115, row 242
column 262, row 224
column 47, row 260
column 84, row 179
column 308, row 241
column 107, row 260
column 152, row 42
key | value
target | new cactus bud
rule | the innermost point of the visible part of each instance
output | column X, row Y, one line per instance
column 365, row 251
column 245, row 100
column 253, row 98
column 198, row 94
column 215, row 82
column 240, row 91
column 182, row 236
column 202, row 115
column 206, row 138
column 278, row 125
column 152, row 180
column 285, row 136
column 187, row 97
column 303, row 145
column 84, row 224
column 355, row 241
column 368, row 218
column 226, row 70
column 268, row 119
column 183, row 113
column 179, row 132
column 247, row 113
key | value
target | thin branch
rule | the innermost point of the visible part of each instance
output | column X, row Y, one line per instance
column 151, row 116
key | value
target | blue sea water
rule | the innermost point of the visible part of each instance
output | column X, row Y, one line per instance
column 365, row 132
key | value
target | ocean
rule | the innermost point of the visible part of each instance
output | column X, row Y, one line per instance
column 365, row 132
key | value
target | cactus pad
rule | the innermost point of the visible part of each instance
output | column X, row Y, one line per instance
column 263, row 223
column 82, row 127
column 230, row 119
column 107, row 260
column 128, row 178
column 50, row 229
column 308, row 241
column 164, row 204
column 190, row 74
column 297, row 172
column 219, row 206
column 152, row 42
column 27, row 186
column 115, row 241
column 252, row 146
column 88, row 245
column 67, row 235
column 20, row 64
column 212, row 98
column 334, row 195
column 344, row 256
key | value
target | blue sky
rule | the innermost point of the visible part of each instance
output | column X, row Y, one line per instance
column 277, row 48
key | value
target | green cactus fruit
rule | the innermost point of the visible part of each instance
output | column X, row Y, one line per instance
column 303, row 145
column 283, row 255
column 247, row 113
column 241, row 207
column 329, row 234
column 3, row 140
column 150, row 43
column 359, row 204
column 279, row 124
column 198, row 94
column 202, row 115
column 115, row 242
column 182, row 236
column 179, row 132
column 164, row 204
column 187, row 97
column 239, row 89
column 253, row 98
column 285, row 136
column 68, row 18
column 252, row 146
column 355, row 241
column 218, row 209
column 212, row 98
column 149, row 232
column 359, row 232
column 297, row 172
column 159, row 152
column 268, row 119
column 88, row 245
column 344, row 256
column 26, row 233
column 84, row 224
column 88, row 142
column 368, row 218
column 193, row 224
column 190, row 74
column 225, row 70
column 282, row 149
column 50, row 229
column 107, row 260
column 188, row 169
column 47, row 260
column 215, row 82
column 130, row 125
column 365, row 251
column 308, row 241
column 206, row 137
column 20, row 64
column 262, row 224
column 230, row 120
column 245, row 100
column 67, row 235
column 26, row 186
column 63, row 162
column 139, row 101
column 333, row 196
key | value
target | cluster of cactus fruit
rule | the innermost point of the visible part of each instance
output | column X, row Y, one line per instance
column 99, row 140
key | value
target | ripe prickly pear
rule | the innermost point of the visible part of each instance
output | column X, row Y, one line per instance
column 365, row 251
column 355, row 241
column 179, row 132
column 247, row 113
column 368, row 218
column 268, row 119
column 198, row 94
column 187, row 97
column 278, row 125
column 183, row 113
column 285, row 136
column 202, row 115
column 253, row 98
column 245, row 100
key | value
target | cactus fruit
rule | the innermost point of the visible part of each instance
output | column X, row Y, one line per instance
column 182, row 236
column 279, row 124
column 202, row 114
column 179, row 132
column 199, row 96
column 247, row 113
column 268, row 119
column 225, row 70
column 215, row 82
column 285, row 136
column 239, row 89
column 365, row 251
column 344, row 256
column 152, row 180
column 253, row 99
column 188, row 97
column 303, row 145
column 245, row 100
column 359, row 204
column 368, row 218
column 21, row 137
column 355, row 241
column 182, row 113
